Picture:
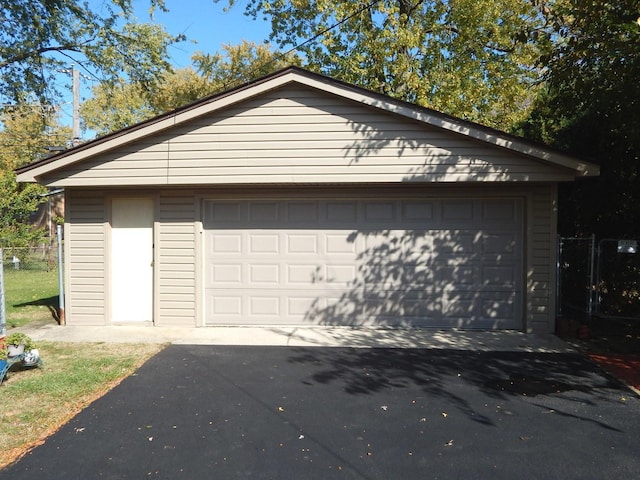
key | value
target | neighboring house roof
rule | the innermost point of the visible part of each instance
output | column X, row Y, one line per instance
column 34, row 171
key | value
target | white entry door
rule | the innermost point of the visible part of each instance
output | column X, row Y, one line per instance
column 132, row 260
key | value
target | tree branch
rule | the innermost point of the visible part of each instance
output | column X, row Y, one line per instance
column 73, row 47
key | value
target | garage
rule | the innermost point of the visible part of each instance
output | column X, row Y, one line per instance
column 300, row 200
column 440, row 262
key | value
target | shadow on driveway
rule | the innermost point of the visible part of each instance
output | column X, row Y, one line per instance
column 317, row 413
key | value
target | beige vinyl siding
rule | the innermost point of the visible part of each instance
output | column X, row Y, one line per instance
column 297, row 135
column 541, row 273
column 178, row 288
column 85, row 258
column 176, row 260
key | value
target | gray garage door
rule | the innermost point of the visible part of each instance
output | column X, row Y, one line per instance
column 398, row 262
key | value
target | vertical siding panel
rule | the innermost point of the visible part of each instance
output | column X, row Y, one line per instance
column 85, row 264
column 541, row 273
column 176, row 268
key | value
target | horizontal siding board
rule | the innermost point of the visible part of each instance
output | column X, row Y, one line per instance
column 179, row 238
column 176, row 275
column 361, row 178
column 178, row 311
column 176, row 260
column 86, row 258
column 177, row 228
column 176, row 290
column 541, row 274
column 296, row 135
column 464, row 168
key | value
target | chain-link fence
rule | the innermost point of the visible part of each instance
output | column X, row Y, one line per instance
column 38, row 258
column 576, row 275
column 618, row 277
column 598, row 277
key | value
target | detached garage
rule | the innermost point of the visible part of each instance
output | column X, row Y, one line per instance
column 300, row 200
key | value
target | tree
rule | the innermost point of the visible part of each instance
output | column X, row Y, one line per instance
column 115, row 106
column 27, row 134
column 591, row 107
column 38, row 37
column 477, row 59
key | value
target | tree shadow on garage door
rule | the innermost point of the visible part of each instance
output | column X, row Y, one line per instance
column 446, row 274
column 453, row 376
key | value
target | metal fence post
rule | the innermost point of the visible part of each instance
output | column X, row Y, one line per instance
column 3, row 312
column 60, row 277
column 592, row 288
column 559, row 277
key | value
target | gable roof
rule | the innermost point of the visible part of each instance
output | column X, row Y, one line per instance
column 213, row 103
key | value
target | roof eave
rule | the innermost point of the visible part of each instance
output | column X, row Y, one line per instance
column 31, row 172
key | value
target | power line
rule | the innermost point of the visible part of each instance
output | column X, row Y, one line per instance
column 300, row 45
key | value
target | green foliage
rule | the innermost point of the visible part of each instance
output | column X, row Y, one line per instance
column 118, row 105
column 242, row 63
column 39, row 37
column 476, row 59
column 17, row 203
column 591, row 107
column 27, row 134
column 19, row 338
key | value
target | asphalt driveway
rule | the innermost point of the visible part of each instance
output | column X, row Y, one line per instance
column 227, row 412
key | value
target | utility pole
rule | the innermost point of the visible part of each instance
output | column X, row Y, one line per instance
column 76, row 104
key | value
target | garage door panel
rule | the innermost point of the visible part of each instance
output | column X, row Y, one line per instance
column 417, row 274
column 227, row 275
column 458, row 210
column 299, row 243
column 341, row 213
column 268, row 274
column 499, row 243
column 455, row 242
column 262, row 212
column 456, row 276
column 499, row 307
column 226, row 213
column 303, row 274
column 302, row 212
column 226, row 244
column 436, row 262
column 264, row 306
column 499, row 211
column 414, row 214
column 379, row 213
column 264, row 243
column 340, row 275
column 499, row 276
column 337, row 243
column 225, row 306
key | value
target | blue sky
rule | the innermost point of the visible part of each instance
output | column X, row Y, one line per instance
column 205, row 23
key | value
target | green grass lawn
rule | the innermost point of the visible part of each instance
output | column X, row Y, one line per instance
column 36, row 402
column 30, row 295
